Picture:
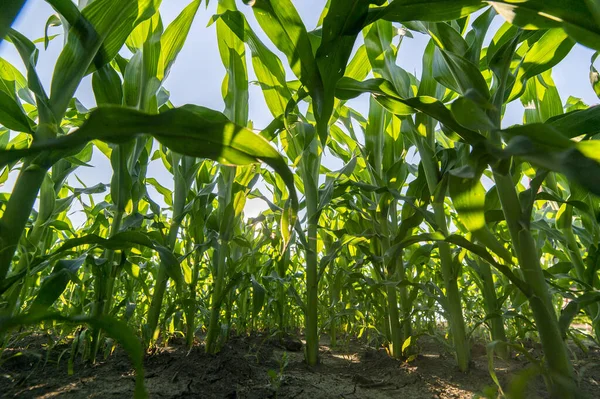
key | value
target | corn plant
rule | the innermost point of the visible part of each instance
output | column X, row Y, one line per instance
column 425, row 214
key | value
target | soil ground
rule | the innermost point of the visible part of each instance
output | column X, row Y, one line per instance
column 251, row 367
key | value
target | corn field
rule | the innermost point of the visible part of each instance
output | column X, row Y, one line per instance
column 394, row 205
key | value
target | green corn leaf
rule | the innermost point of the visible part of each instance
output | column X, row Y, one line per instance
column 267, row 67
column 349, row 88
column 10, row 10
column 426, row 10
column 545, row 146
column 341, row 26
column 543, row 134
column 55, row 284
column 385, row 94
column 374, row 136
column 173, row 39
column 468, row 196
column 483, row 253
column 499, row 56
column 460, row 241
column 470, row 115
column 189, row 130
column 12, row 115
column 235, row 84
column 107, row 86
column 326, row 193
column 581, row 169
column 382, row 57
column 125, row 240
column 594, row 75
column 406, row 344
column 165, row 192
column 574, row 104
column 359, row 66
column 476, row 35
column 282, row 24
column 447, row 38
column 121, row 183
column 582, row 206
column 458, row 74
column 133, row 81
column 560, row 268
column 12, row 279
column 13, row 83
column 541, row 99
column 566, row 317
column 233, row 281
column 505, row 33
column 258, row 297
column 147, row 83
column 297, row 298
column 47, row 200
column 545, row 53
column 170, row 261
column 564, row 217
column 574, row 16
column 95, row 37
column 522, row 379
column 428, row 86
column 52, row 21
column 119, row 241
column 29, row 54
column 150, row 30
column 589, row 148
column 577, row 123
column 67, row 10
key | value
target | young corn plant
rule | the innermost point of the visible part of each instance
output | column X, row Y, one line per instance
column 107, row 25
column 235, row 93
column 472, row 86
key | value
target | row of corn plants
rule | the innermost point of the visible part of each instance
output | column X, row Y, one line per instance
column 438, row 219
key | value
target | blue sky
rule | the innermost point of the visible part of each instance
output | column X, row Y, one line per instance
column 197, row 74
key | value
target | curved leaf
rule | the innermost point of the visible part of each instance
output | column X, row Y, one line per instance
column 458, row 74
column 268, row 68
column 426, row 10
column 386, row 95
column 189, row 130
column 544, row 54
column 235, row 85
column 282, row 24
column 174, row 37
column 54, row 285
column 96, row 35
column 574, row 16
column 461, row 241
column 578, row 122
column 341, row 26
column 12, row 116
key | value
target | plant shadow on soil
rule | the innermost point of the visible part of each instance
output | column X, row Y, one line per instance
column 250, row 367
